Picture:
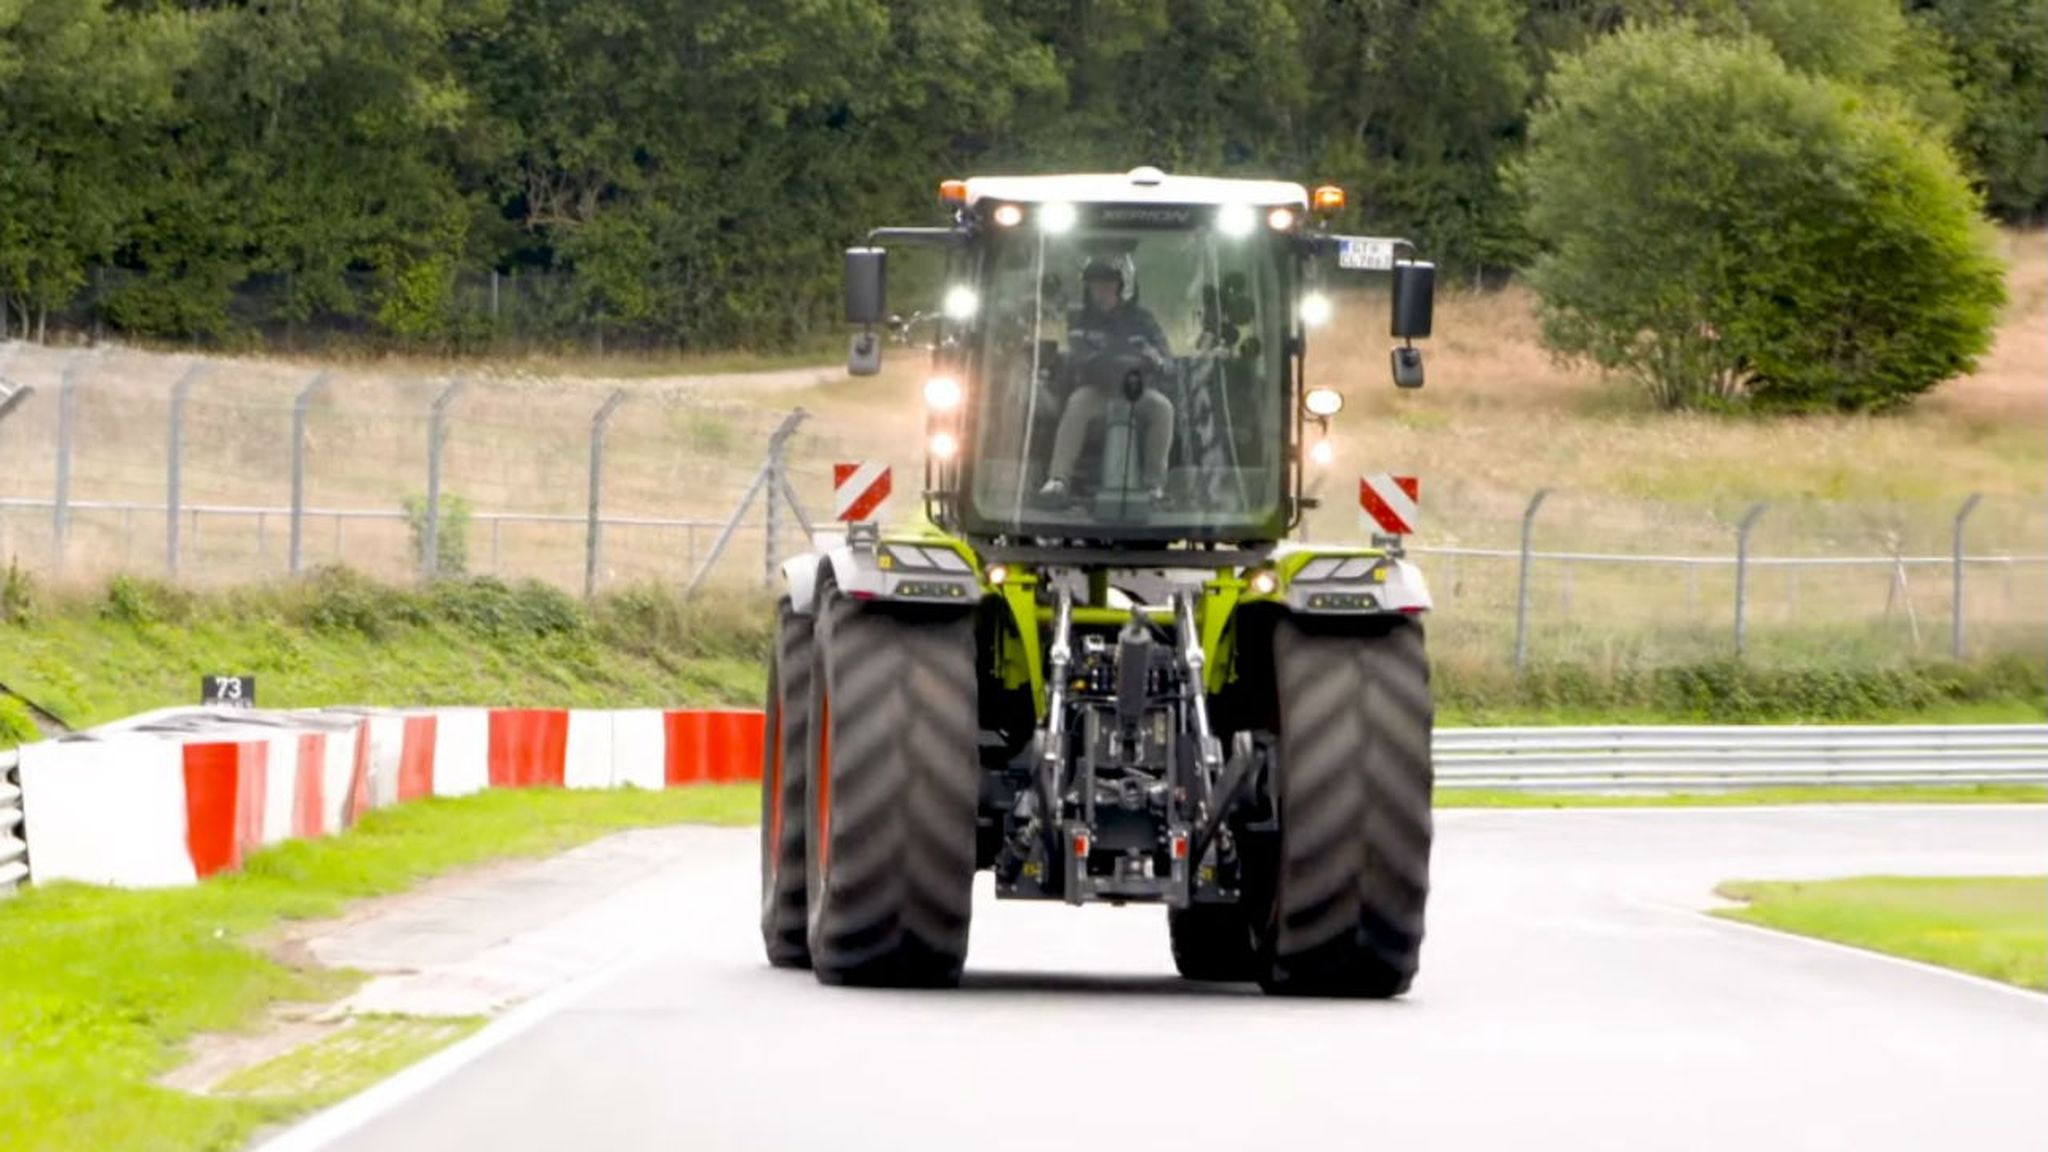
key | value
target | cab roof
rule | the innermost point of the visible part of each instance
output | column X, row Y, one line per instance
column 1138, row 186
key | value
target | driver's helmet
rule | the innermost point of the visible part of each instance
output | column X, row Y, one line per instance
column 1117, row 270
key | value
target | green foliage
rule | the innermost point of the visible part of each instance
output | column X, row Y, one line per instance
column 1721, row 228
column 18, row 598
column 1998, row 61
column 17, row 723
column 684, row 175
column 1734, row 692
column 451, row 533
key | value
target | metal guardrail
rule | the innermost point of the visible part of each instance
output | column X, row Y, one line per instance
column 13, row 848
column 1658, row 759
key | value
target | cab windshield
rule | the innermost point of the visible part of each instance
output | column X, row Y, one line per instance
column 1134, row 380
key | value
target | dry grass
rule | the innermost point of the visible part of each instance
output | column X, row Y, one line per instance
column 1498, row 419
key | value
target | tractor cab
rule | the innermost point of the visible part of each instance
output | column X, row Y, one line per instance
column 1119, row 357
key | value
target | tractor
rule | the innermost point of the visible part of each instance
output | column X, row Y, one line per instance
column 1097, row 665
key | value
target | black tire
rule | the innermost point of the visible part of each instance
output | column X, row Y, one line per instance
column 896, row 775
column 1213, row 942
column 1349, row 874
column 784, row 767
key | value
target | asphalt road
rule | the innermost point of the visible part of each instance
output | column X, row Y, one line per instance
column 1573, row 996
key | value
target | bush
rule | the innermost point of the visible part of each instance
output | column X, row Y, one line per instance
column 1723, row 229
column 451, row 535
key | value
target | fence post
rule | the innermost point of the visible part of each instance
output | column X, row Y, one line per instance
column 768, row 471
column 1522, row 581
column 300, row 403
column 437, row 433
column 60, row 521
column 14, row 397
column 1955, row 639
column 592, row 536
column 1742, row 570
column 174, row 480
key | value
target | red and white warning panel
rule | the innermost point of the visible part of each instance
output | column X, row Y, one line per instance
column 1390, row 504
column 858, row 490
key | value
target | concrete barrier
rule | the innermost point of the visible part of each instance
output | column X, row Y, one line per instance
column 178, row 795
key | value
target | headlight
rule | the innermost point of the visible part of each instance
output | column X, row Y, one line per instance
column 942, row 393
column 1320, row 454
column 961, row 302
column 1264, row 583
column 1318, row 401
column 1009, row 216
column 945, row 446
column 1315, row 309
column 1056, row 218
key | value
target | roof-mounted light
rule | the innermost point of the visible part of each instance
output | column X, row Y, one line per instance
column 953, row 192
column 1235, row 220
column 1328, row 198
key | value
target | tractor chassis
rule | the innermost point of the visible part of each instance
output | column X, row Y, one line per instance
column 1123, row 794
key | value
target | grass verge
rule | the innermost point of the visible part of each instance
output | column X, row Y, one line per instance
column 337, row 638
column 1991, row 926
column 99, row 988
column 91, row 656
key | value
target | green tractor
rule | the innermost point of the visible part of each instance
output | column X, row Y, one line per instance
column 1098, row 667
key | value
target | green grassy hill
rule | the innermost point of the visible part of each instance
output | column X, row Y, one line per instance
column 336, row 638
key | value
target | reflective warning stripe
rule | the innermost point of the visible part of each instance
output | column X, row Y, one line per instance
column 1390, row 503
column 858, row 490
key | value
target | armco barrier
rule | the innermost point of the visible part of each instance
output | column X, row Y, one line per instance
column 171, row 797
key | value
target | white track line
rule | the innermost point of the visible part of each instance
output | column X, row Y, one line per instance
column 2037, row 999
column 325, row 1127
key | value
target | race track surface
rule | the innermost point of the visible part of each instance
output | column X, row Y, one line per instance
column 1573, row 996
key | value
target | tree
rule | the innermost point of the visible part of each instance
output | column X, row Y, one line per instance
column 1999, row 50
column 1722, row 228
column 1415, row 107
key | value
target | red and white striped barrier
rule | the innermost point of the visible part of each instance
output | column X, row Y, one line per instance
column 188, row 795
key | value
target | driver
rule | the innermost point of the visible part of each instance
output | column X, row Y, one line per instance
column 1108, row 323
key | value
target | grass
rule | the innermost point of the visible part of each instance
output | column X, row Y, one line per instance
column 1748, row 797
column 89, row 656
column 354, row 1057
column 1996, row 926
column 100, row 987
column 338, row 639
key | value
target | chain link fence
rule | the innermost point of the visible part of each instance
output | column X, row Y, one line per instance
column 214, row 473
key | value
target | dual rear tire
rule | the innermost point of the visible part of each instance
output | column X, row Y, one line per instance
column 1334, row 898
column 873, row 858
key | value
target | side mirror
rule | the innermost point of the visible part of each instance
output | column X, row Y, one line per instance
column 1414, row 298
column 866, row 286
column 864, row 356
column 1407, row 367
